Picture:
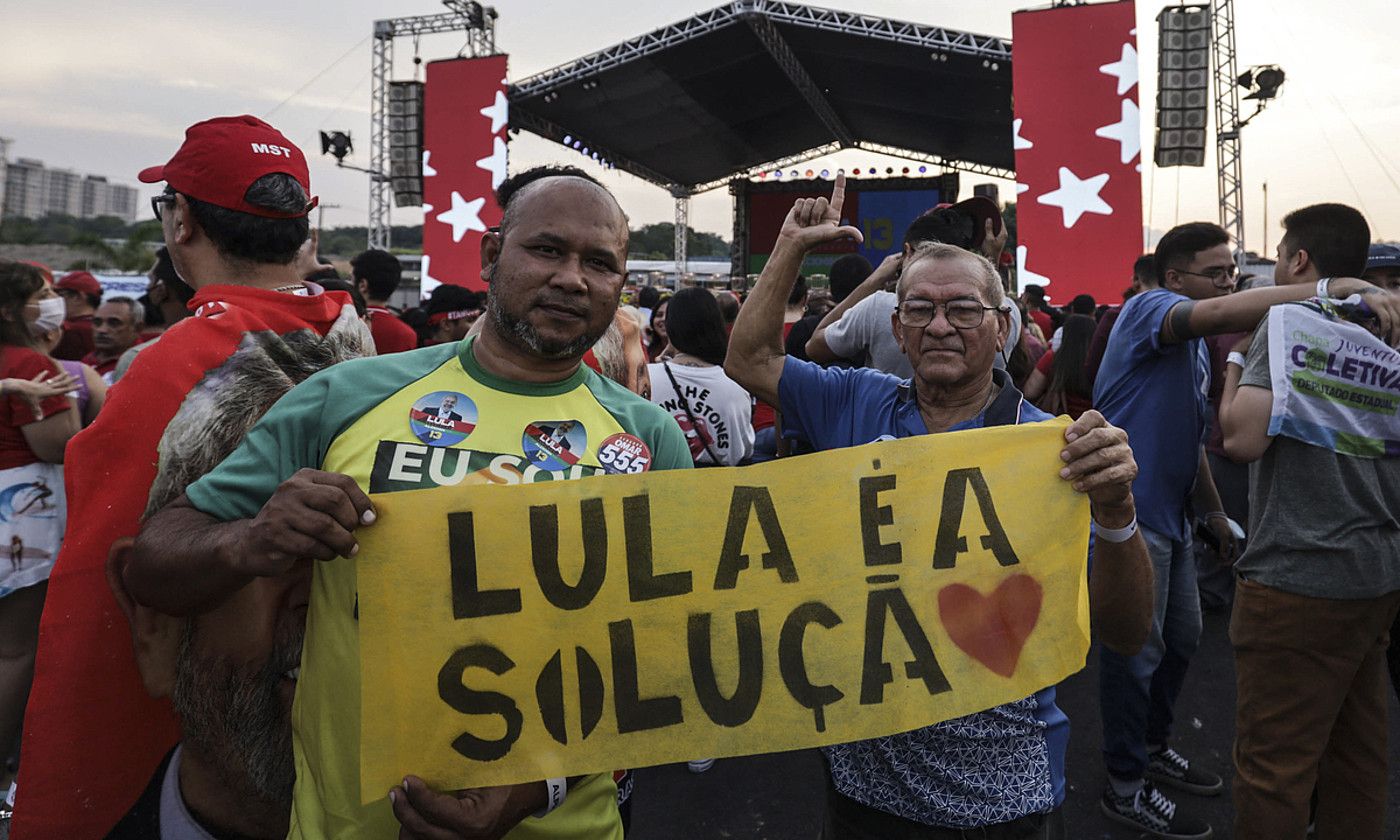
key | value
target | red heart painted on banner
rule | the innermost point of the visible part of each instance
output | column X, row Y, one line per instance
column 991, row 628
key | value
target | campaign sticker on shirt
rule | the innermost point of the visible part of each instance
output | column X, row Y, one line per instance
column 442, row 418
column 554, row 444
column 624, row 453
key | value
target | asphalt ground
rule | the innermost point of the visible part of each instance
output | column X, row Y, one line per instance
column 779, row 797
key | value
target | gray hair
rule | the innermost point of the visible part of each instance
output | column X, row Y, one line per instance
column 611, row 354
column 987, row 274
column 138, row 312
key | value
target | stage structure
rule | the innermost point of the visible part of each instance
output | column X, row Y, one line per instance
column 757, row 87
column 1228, row 154
column 478, row 23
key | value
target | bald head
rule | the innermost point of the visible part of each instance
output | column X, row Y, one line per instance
column 516, row 189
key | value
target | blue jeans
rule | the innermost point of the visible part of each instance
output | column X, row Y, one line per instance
column 1137, row 693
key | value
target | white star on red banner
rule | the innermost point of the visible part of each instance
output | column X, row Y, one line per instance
column 498, row 111
column 464, row 216
column 1017, row 141
column 496, row 163
column 1126, row 131
column 1024, row 275
column 1125, row 69
column 1077, row 196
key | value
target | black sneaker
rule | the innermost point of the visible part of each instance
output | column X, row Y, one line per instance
column 1168, row 767
column 1148, row 810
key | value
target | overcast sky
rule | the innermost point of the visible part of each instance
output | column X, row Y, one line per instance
column 108, row 88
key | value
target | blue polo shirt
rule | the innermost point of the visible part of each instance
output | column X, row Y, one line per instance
column 986, row 768
column 1158, row 394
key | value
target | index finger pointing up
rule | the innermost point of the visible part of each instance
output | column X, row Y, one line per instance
column 838, row 194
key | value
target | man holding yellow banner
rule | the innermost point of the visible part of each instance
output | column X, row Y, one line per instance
column 511, row 406
column 1000, row 770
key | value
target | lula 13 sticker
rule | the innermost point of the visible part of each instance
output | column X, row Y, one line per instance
column 442, row 418
column 624, row 453
column 554, row 444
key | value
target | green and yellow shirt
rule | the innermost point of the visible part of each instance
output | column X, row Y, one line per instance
column 426, row 418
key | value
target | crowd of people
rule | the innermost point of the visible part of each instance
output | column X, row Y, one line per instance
column 181, row 471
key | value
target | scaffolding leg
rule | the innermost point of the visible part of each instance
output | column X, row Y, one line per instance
column 682, row 226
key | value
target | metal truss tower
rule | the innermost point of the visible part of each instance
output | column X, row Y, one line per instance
column 479, row 24
column 1227, row 122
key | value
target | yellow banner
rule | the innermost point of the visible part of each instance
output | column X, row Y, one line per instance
column 517, row 633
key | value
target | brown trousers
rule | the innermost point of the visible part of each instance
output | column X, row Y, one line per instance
column 1310, row 714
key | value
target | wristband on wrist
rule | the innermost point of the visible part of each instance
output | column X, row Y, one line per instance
column 1116, row 535
column 556, row 789
column 1235, row 358
column 1218, row 514
column 1322, row 285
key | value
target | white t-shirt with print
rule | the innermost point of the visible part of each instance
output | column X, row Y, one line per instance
column 722, row 410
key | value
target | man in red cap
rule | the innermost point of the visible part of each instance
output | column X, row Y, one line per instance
column 81, row 294
column 234, row 214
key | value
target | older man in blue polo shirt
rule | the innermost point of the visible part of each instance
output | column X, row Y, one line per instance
column 1000, row 771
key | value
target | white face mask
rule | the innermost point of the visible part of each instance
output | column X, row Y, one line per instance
column 50, row 318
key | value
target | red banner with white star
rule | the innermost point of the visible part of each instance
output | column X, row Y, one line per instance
column 464, row 160
column 1078, row 149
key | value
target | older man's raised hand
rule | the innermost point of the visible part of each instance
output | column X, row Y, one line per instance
column 816, row 221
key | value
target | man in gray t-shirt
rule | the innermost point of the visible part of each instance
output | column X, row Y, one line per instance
column 864, row 334
column 1321, row 524
column 1318, row 589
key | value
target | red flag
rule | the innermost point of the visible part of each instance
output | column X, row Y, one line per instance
column 93, row 736
column 1078, row 149
column 464, row 160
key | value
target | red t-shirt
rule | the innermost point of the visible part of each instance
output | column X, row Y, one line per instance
column 1044, row 321
column 77, row 339
column 92, row 735
column 15, row 411
column 764, row 414
column 391, row 335
column 102, row 366
column 1075, row 405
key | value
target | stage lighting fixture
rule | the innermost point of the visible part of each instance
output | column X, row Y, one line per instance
column 1183, row 77
column 1262, row 81
column 336, row 143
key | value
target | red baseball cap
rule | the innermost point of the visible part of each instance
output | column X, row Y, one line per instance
column 981, row 209
column 81, row 282
column 221, row 158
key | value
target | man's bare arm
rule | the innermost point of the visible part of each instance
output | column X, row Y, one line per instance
column 185, row 561
column 1244, row 414
column 1242, row 311
column 1099, row 463
column 755, row 358
column 888, row 269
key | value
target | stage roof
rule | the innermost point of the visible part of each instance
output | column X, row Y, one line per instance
column 758, row 84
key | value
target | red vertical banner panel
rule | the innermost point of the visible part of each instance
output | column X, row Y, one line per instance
column 1078, row 149
column 464, row 160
